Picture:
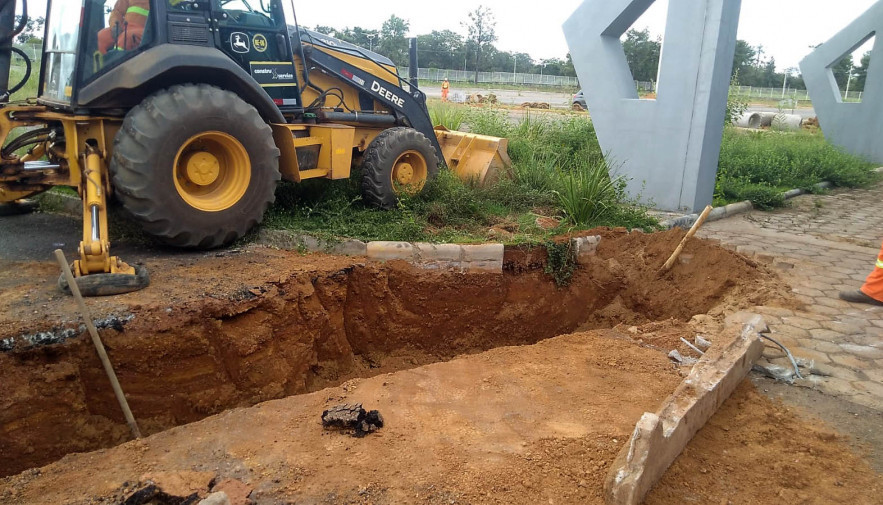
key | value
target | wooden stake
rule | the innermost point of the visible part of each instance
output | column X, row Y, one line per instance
column 677, row 254
column 96, row 340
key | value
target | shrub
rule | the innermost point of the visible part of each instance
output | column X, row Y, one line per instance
column 448, row 115
column 588, row 193
column 757, row 164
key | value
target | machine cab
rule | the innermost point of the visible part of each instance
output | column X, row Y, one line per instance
column 88, row 39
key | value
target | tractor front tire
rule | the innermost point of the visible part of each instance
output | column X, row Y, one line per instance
column 399, row 161
column 195, row 165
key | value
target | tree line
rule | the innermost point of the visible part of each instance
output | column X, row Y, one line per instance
column 447, row 49
column 751, row 65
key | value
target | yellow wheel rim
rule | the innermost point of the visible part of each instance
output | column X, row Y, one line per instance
column 409, row 173
column 212, row 171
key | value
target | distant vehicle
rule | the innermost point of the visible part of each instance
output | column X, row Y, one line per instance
column 579, row 101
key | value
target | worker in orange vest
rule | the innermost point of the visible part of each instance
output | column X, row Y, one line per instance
column 872, row 291
column 126, row 26
column 446, row 87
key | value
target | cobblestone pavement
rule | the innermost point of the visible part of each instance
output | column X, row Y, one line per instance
column 821, row 245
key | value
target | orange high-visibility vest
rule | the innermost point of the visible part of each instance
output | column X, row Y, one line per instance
column 133, row 12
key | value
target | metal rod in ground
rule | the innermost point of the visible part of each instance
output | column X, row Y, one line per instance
column 96, row 340
column 677, row 254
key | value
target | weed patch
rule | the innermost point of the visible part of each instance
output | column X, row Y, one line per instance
column 549, row 156
column 757, row 166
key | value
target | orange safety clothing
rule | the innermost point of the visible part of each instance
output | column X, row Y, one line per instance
column 134, row 12
column 126, row 26
column 129, row 38
column 874, row 284
column 446, row 86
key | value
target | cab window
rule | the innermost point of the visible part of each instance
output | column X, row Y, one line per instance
column 115, row 29
column 251, row 13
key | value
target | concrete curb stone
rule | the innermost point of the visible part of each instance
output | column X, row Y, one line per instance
column 585, row 247
column 387, row 251
column 660, row 437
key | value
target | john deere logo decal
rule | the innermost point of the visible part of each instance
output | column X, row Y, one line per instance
column 239, row 42
column 260, row 43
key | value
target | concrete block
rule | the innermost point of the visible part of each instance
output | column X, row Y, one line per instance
column 350, row 248
column 667, row 148
column 439, row 252
column 659, row 438
column 484, row 252
column 387, row 251
column 493, row 267
column 853, row 126
column 585, row 247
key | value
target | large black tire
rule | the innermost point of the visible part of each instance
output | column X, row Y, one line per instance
column 146, row 162
column 381, row 157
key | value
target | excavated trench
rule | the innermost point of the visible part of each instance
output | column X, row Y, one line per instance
column 312, row 330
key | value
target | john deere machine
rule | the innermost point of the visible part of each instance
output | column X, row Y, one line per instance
column 189, row 112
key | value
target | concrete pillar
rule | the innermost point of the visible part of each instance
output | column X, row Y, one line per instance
column 856, row 127
column 668, row 147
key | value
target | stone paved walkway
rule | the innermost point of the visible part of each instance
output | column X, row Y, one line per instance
column 821, row 245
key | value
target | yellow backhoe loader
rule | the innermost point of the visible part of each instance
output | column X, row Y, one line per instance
column 189, row 112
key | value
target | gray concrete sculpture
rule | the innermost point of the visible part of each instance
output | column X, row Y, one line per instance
column 856, row 127
column 668, row 147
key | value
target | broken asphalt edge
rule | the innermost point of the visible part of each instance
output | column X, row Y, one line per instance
column 660, row 438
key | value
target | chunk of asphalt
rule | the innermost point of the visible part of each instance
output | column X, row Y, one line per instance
column 352, row 417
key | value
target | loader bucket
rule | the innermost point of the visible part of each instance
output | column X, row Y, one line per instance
column 474, row 157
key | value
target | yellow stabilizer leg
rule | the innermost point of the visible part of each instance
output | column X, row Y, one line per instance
column 98, row 273
column 474, row 157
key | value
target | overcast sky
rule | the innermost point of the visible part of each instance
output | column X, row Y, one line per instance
column 785, row 28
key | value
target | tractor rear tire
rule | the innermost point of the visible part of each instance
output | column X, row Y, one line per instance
column 399, row 161
column 195, row 165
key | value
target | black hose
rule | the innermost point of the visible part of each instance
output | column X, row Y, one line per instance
column 27, row 76
column 26, row 139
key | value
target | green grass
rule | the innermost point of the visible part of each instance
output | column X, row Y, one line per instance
column 448, row 115
column 759, row 166
column 30, row 88
column 552, row 160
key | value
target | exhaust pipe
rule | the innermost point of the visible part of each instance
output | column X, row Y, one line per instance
column 412, row 71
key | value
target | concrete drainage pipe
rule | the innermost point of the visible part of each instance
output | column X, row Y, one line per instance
column 766, row 119
column 787, row 122
column 749, row 120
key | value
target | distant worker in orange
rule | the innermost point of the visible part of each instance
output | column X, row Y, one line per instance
column 126, row 26
column 872, row 291
column 446, row 87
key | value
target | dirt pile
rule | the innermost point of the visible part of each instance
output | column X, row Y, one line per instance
column 262, row 331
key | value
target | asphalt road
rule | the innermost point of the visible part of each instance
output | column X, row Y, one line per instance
column 805, row 113
column 557, row 100
column 33, row 237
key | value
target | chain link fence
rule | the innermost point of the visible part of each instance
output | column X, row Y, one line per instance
column 438, row 75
